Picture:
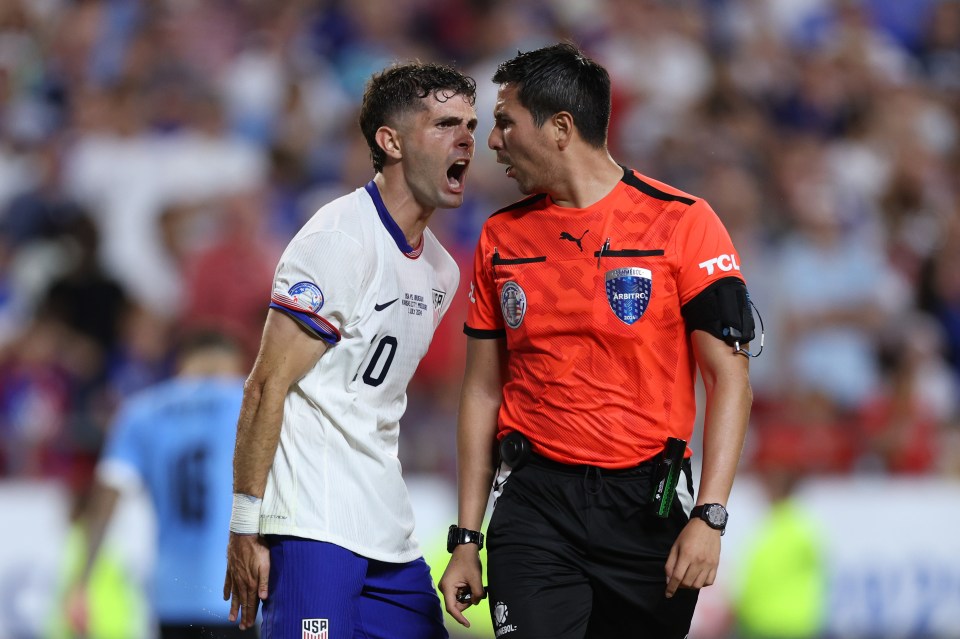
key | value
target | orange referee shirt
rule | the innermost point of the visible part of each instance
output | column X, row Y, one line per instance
column 600, row 367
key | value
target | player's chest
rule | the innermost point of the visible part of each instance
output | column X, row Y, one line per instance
column 408, row 296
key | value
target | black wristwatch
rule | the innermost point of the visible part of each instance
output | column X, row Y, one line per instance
column 458, row 536
column 714, row 514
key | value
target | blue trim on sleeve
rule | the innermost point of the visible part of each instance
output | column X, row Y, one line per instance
column 316, row 325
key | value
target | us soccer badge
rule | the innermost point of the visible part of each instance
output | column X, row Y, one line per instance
column 628, row 292
column 513, row 304
column 315, row 628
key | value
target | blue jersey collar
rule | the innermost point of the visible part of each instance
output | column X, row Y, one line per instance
column 389, row 223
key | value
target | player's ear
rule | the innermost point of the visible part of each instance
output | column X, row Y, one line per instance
column 562, row 128
column 389, row 140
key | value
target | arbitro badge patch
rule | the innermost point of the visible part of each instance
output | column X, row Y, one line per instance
column 628, row 292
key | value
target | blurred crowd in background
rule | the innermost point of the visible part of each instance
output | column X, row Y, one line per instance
column 156, row 156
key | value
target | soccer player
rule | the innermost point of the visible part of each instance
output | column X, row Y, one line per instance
column 593, row 302
column 322, row 528
column 169, row 439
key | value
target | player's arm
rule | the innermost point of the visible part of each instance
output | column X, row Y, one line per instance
column 287, row 353
column 695, row 556
column 94, row 521
column 480, row 399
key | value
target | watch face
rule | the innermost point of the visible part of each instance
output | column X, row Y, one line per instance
column 716, row 516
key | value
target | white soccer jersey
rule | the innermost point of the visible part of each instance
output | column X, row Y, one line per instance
column 350, row 277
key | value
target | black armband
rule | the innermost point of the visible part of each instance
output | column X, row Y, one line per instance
column 723, row 310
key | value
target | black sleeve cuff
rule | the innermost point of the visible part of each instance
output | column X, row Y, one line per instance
column 498, row 333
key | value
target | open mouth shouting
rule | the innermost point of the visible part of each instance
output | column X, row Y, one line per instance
column 509, row 167
column 456, row 175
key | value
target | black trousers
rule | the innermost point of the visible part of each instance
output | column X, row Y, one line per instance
column 576, row 553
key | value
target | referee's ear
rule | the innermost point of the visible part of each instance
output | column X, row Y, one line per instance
column 563, row 129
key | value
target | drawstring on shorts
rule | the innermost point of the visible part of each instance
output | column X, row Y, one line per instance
column 592, row 480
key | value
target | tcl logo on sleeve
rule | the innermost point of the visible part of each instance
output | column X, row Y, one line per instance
column 724, row 263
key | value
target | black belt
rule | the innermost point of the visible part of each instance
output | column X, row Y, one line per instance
column 540, row 461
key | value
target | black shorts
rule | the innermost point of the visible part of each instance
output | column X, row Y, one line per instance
column 575, row 553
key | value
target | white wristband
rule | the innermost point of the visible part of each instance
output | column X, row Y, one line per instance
column 245, row 518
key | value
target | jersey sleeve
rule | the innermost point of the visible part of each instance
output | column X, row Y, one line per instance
column 124, row 460
column 704, row 250
column 484, row 319
column 318, row 282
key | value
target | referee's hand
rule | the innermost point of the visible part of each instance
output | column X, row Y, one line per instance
column 463, row 576
column 693, row 558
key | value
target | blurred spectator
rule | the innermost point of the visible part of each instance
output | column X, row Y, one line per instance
column 942, row 290
column 783, row 591
column 902, row 428
column 837, row 287
column 35, row 402
column 227, row 284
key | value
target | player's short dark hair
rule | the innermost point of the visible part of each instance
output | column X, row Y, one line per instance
column 562, row 78
column 398, row 89
column 205, row 338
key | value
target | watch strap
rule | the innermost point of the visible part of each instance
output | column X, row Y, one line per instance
column 457, row 536
column 700, row 512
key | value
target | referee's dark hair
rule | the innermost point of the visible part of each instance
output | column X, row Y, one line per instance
column 398, row 89
column 562, row 78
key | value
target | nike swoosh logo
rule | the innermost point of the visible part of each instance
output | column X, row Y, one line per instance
column 380, row 307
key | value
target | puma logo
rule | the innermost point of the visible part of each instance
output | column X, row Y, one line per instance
column 566, row 236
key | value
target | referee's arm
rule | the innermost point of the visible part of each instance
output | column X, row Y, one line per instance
column 480, row 399
column 695, row 555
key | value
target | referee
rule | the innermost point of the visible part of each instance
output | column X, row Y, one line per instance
column 594, row 301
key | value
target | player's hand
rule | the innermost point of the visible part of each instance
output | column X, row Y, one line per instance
column 693, row 558
column 463, row 574
column 77, row 610
column 248, row 572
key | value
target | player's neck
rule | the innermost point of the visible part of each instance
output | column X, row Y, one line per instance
column 586, row 180
column 410, row 216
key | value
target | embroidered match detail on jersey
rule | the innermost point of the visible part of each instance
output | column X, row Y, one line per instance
column 302, row 302
column 513, row 304
column 628, row 292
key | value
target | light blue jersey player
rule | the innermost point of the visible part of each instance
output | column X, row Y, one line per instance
column 174, row 440
column 322, row 526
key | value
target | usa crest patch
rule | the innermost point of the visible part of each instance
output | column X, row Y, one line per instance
column 314, row 628
column 628, row 292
